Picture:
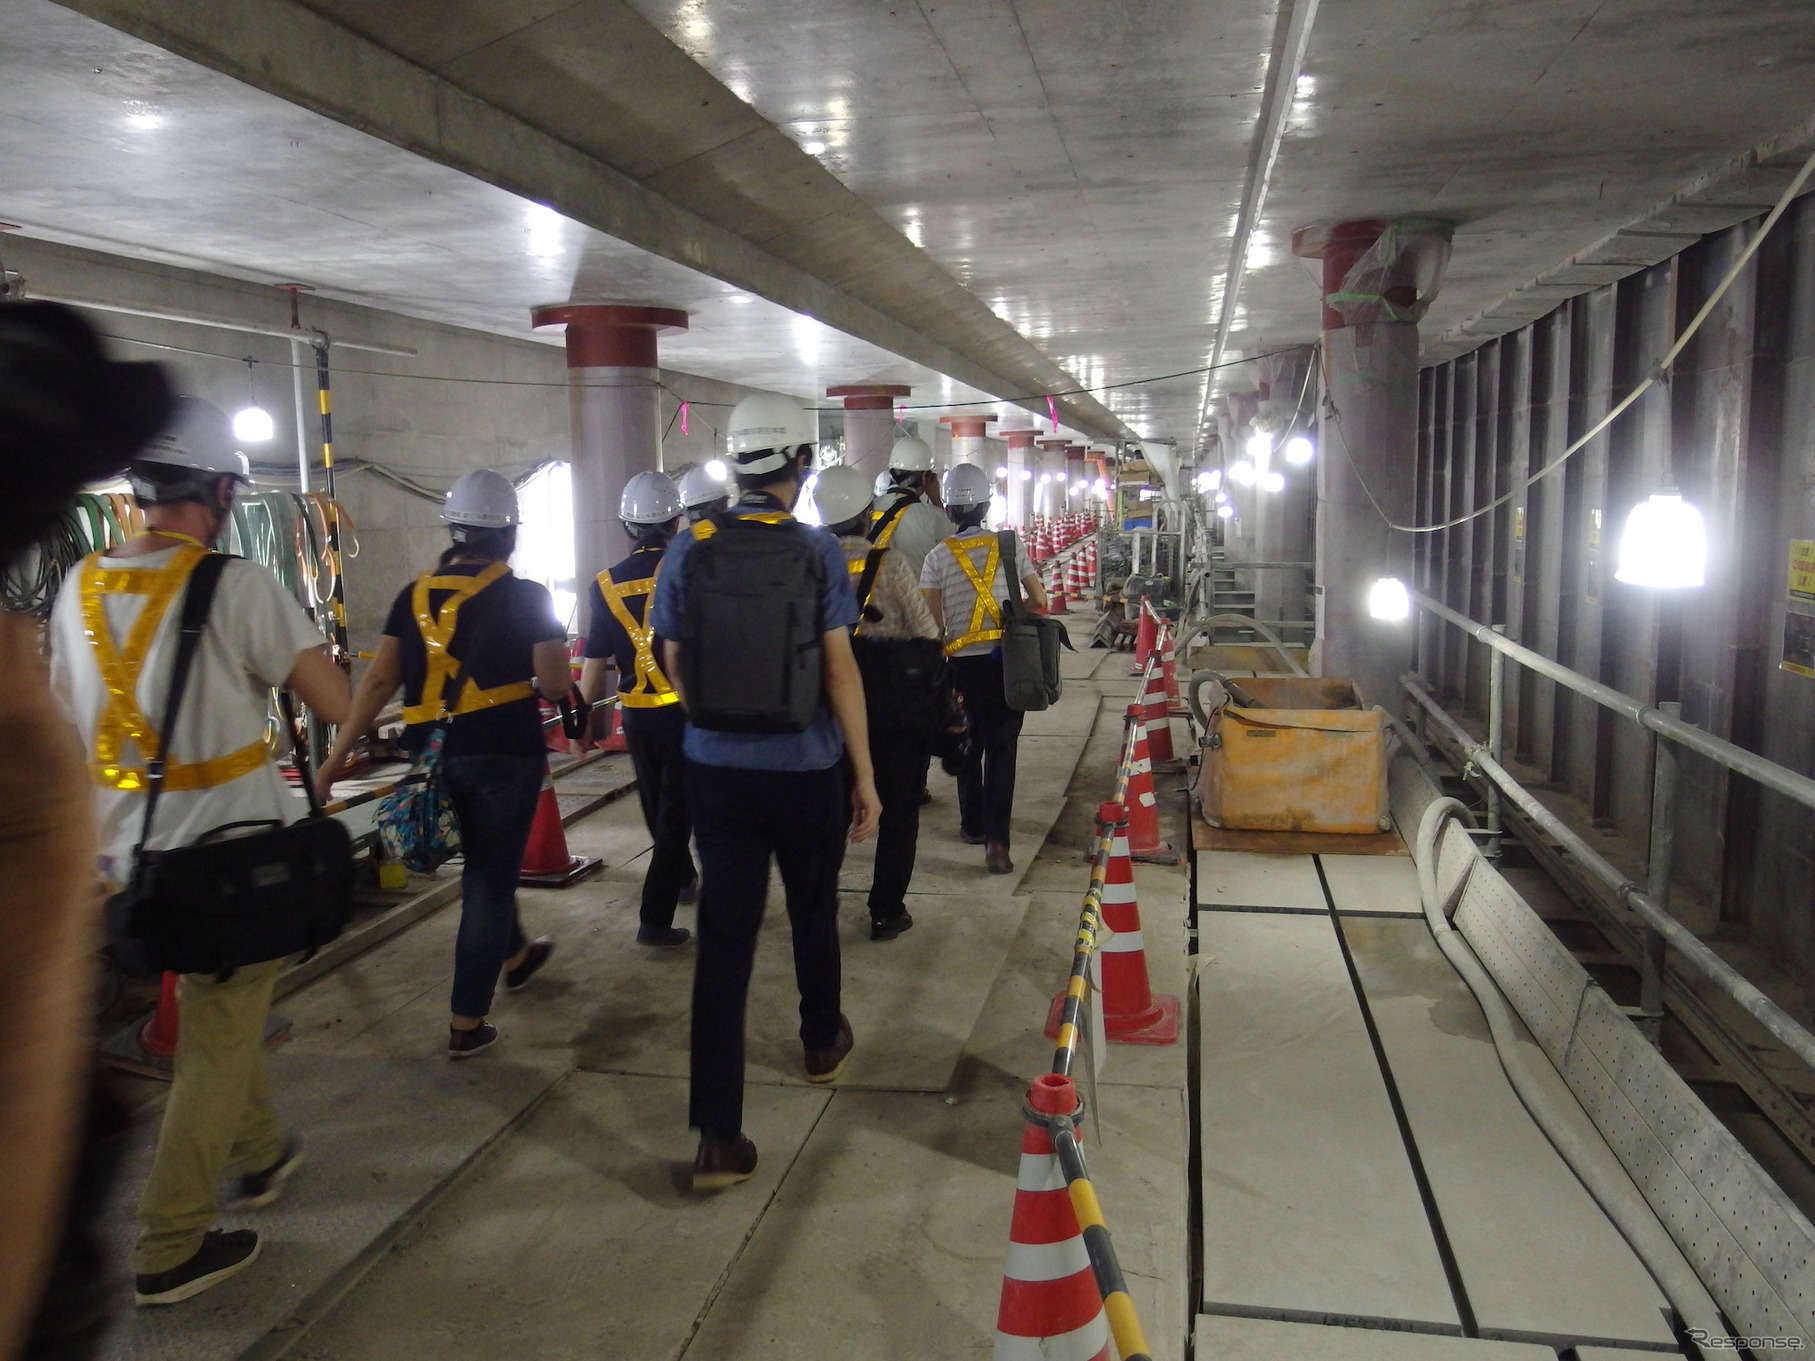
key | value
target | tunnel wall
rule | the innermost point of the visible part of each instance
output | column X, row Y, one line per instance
column 1736, row 426
column 467, row 399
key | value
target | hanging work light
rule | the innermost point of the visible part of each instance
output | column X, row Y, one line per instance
column 1273, row 482
column 1388, row 599
column 1664, row 544
column 1001, row 472
column 253, row 424
column 1226, row 511
column 1259, row 448
column 1299, row 450
column 1243, row 472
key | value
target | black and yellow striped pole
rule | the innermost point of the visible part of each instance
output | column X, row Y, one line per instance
column 1124, row 1322
column 337, row 591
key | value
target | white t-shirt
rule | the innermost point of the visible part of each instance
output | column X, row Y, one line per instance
column 956, row 594
column 917, row 529
column 255, row 633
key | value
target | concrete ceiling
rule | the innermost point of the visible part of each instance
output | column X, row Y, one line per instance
column 1015, row 195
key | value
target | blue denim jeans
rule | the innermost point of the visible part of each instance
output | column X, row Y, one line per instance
column 495, row 798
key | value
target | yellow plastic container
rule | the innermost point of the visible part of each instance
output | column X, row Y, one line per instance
column 1314, row 760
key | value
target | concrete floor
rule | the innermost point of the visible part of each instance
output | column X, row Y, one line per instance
column 877, row 1223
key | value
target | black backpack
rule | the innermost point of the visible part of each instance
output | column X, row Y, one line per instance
column 904, row 680
column 750, row 631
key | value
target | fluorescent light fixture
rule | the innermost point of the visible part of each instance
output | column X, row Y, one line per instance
column 1665, row 545
column 1226, row 511
column 1273, row 482
column 253, row 425
column 1243, row 473
column 1388, row 599
column 1299, row 450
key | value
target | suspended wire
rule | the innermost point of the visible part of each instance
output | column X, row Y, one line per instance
column 1660, row 373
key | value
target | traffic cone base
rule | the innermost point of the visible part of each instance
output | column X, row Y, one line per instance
column 547, row 863
column 615, row 741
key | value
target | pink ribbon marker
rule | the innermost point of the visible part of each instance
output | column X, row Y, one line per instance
column 684, row 406
column 1052, row 410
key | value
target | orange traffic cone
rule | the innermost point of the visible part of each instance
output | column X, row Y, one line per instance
column 614, row 735
column 547, row 863
column 1051, row 1308
column 1144, row 840
column 1156, row 718
column 157, row 1037
column 1132, row 1012
column 1144, row 635
column 1056, row 601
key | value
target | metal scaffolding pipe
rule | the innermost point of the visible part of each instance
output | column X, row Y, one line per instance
column 1722, row 974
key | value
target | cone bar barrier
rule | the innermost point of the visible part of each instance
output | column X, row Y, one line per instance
column 1145, row 634
column 1156, row 715
column 547, row 863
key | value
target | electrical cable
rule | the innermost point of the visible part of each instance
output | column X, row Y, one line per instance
column 1660, row 373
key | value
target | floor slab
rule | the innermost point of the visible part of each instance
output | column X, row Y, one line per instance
column 576, row 1239
column 373, row 1163
column 1309, row 1206
column 1537, row 1256
column 1250, row 1339
column 1373, row 883
column 1249, row 879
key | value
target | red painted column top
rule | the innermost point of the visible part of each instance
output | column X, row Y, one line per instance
column 610, row 335
column 1019, row 439
column 967, row 427
column 1339, row 246
column 870, row 396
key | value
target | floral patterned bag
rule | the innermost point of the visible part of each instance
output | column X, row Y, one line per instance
column 416, row 821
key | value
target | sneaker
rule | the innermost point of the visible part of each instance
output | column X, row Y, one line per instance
column 970, row 838
column 663, row 937
column 723, row 1162
column 533, row 959
column 223, row 1253
column 996, row 860
column 887, row 928
column 259, row 1189
column 463, row 1044
column 823, row 1065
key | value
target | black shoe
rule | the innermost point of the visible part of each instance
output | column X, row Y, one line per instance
column 533, row 959
column 996, row 860
column 463, row 1044
column 222, row 1254
column 823, row 1065
column 723, row 1162
column 887, row 928
column 259, row 1189
column 690, row 892
column 663, row 937
column 970, row 838
column 926, row 796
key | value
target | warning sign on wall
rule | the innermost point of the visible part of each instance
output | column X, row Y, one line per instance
column 1802, row 569
column 1798, row 643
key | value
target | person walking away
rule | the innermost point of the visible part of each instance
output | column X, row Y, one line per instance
column 965, row 583
column 654, row 724
column 892, row 609
column 473, row 646
column 755, row 611
column 113, row 640
column 703, row 490
column 905, row 516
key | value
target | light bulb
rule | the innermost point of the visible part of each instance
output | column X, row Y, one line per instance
column 1226, row 511
column 1001, row 472
column 1273, row 482
column 1222, row 498
column 1259, row 447
column 1299, row 450
column 1216, row 478
column 1027, row 474
column 1388, row 599
column 1243, row 472
column 716, row 470
column 253, row 425
column 1664, row 545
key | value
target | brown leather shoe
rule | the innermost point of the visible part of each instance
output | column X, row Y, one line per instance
column 823, row 1065
column 995, row 858
column 723, row 1162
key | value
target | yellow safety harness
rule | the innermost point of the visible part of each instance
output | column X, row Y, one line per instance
column 437, row 628
column 986, row 615
column 884, row 522
column 120, row 719
column 651, row 690
column 705, row 529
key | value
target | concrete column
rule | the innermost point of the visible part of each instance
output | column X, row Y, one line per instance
column 1074, row 474
column 968, row 433
column 1282, row 525
column 1020, row 463
column 1049, row 493
column 1371, row 364
column 869, row 424
column 617, row 414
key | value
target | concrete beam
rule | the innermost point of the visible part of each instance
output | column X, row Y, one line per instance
column 841, row 262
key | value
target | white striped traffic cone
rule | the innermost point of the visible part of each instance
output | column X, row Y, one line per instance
column 1051, row 1308
column 1144, row 840
column 1156, row 719
column 1132, row 1012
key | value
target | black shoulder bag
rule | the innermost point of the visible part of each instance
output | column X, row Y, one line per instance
column 1030, row 643
column 245, row 892
column 904, row 682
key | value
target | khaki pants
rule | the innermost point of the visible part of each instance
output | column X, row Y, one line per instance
column 218, row 1118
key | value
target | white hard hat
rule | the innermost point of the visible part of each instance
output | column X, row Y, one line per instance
column 840, row 493
column 481, row 499
column 884, row 480
column 911, row 455
column 767, row 429
column 702, row 483
column 965, row 484
column 649, row 499
column 199, row 436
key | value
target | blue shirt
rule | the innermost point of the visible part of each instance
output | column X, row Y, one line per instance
column 819, row 746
